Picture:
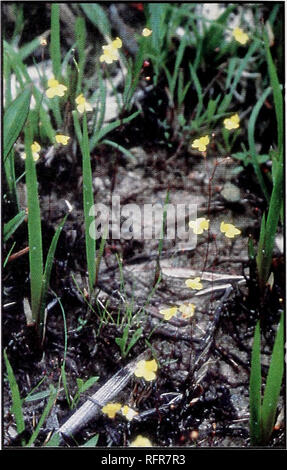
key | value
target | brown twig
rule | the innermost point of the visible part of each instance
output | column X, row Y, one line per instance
column 18, row 254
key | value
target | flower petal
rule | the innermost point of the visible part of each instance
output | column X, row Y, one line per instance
column 194, row 283
column 141, row 441
column 111, row 409
column 168, row 313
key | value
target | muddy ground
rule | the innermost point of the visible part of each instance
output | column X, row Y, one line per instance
column 211, row 392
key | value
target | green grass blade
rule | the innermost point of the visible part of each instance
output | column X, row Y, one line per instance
column 14, row 119
column 17, row 65
column 277, row 94
column 29, row 48
column 119, row 147
column 16, row 399
column 88, row 201
column 9, row 168
column 251, row 141
column 103, row 94
column 273, row 384
column 34, row 229
column 7, row 79
column 157, row 12
column 100, row 254
column 92, row 442
column 48, row 407
column 32, row 396
column 47, row 274
column 179, row 56
column 37, row 396
column 55, row 46
column 273, row 217
column 233, row 61
column 8, row 254
column 198, row 89
column 134, row 339
column 54, row 441
column 228, row 98
column 261, row 244
column 80, row 33
column 132, row 77
column 97, row 15
column 12, row 225
column 214, row 35
column 77, row 128
column 255, row 389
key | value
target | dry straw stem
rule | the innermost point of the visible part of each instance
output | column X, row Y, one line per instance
column 92, row 407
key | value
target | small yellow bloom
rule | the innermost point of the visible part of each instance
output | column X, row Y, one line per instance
column 229, row 230
column 55, row 88
column 168, row 313
column 35, row 147
column 146, row 32
column 199, row 225
column 194, row 283
column 201, row 143
column 146, row 369
column 111, row 51
column 141, row 441
column 62, row 139
column 240, row 36
column 187, row 310
column 128, row 412
column 117, row 43
column 111, row 409
column 82, row 104
column 232, row 122
column 43, row 42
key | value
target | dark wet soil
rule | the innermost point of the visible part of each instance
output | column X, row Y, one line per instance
column 212, row 394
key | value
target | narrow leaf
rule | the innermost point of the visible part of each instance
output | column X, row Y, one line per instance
column 11, row 226
column 273, row 384
column 14, row 119
column 251, row 141
column 34, row 228
column 88, row 201
column 55, row 48
column 16, row 399
column 48, row 407
column 255, row 389
column 47, row 273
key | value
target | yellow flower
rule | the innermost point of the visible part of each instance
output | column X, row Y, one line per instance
column 35, row 148
column 194, row 283
column 187, row 310
column 146, row 369
column 82, row 104
column 199, row 225
column 168, row 313
column 43, row 41
column 62, row 139
column 117, row 43
column 111, row 51
column 55, row 88
column 229, row 230
column 141, row 441
column 111, row 409
column 201, row 143
column 232, row 122
column 240, row 36
column 128, row 412
column 146, row 32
